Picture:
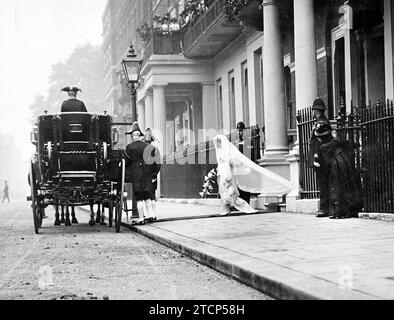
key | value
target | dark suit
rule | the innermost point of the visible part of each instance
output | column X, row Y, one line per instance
column 73, row 105
column 141, row 166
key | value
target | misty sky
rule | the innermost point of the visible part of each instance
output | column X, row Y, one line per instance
column 34, row 34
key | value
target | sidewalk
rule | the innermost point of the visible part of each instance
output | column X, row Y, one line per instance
column 288, row 256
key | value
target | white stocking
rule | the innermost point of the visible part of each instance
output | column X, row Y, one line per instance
column 154, row 209
column 149, row 208
column 141, row 209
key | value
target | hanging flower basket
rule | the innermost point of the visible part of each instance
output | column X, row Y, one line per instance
column 145, row 32
column 233, row 8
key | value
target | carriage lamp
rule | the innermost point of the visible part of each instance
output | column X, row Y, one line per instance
column 131, row 68
column 115, row 136
column 34, row 135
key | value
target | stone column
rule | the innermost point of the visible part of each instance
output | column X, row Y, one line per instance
column 274, row 95
column 159, row 116
column 389, row 47
column 305, row 53
column 306, row 82
column 209, row 112
column 149, row 110
column 159, row 124
column 141, row 115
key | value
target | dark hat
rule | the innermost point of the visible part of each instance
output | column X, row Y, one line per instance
column 319, row 104
column 72, row 89
column 135, row 127
column 322, row 128
column 149, row 135
column 241, row 126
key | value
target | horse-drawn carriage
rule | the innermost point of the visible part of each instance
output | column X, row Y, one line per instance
column 76, row 164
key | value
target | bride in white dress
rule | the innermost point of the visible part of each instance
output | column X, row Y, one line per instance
column 237, row 171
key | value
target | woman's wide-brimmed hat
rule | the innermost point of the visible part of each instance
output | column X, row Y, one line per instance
column 323, row 128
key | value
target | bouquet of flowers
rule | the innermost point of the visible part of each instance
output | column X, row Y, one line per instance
column 210, row 186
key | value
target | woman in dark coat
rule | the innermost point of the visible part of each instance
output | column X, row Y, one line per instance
column 337, row 160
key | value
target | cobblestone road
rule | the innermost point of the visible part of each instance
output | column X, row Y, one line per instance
column 83, row 262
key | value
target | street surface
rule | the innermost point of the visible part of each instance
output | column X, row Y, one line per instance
column 82, row 262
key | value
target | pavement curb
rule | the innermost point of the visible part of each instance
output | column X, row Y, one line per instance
column 266, row 285
column 198, row 202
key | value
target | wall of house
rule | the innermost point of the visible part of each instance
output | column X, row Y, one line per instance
column 230, row 60
column 376, row 69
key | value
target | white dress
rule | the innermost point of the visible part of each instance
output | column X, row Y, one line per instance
column 235, row 171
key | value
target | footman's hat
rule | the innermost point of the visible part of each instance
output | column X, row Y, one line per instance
column 135, row 128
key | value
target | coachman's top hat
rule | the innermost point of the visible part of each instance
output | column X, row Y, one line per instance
column 71, row 89
column 322, row 128
column 319, row 104
column 135, row 128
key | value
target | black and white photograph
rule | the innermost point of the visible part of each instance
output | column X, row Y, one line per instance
column 196, row 155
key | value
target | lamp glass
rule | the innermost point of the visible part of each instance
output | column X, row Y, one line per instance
column 132, row 68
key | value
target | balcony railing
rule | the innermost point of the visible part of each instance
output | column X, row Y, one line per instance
column 197, row 27
column 163, row 44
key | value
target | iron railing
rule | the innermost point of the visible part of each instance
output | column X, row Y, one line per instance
column 371, row 130
column 163, row 44
column 198, row 27
column 377, row 123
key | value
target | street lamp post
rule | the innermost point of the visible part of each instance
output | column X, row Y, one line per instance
column 132, row 68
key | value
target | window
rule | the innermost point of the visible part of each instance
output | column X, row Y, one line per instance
column 231, row 81
column 219, row 94
column 259, row 89
column 245, row 94
column 291, row 110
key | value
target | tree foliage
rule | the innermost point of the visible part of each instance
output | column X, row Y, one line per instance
column 85, row 69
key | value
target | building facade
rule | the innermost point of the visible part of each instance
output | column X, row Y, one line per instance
column 258, row 63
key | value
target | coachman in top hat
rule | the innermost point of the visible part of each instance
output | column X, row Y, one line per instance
column 73, row 104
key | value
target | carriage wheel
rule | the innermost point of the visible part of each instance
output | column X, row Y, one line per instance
column 119, row 204
column 35, row 205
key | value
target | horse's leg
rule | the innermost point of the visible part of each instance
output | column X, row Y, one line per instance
column 62, row 220
column 57, row 215
column 103, row 216
column 74, row 218
column 68, row 222
column 92, row 222
column 98, row 215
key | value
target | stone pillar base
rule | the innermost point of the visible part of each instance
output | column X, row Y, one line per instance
column 262, row 201
column 304, row 206
column 277, row 164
